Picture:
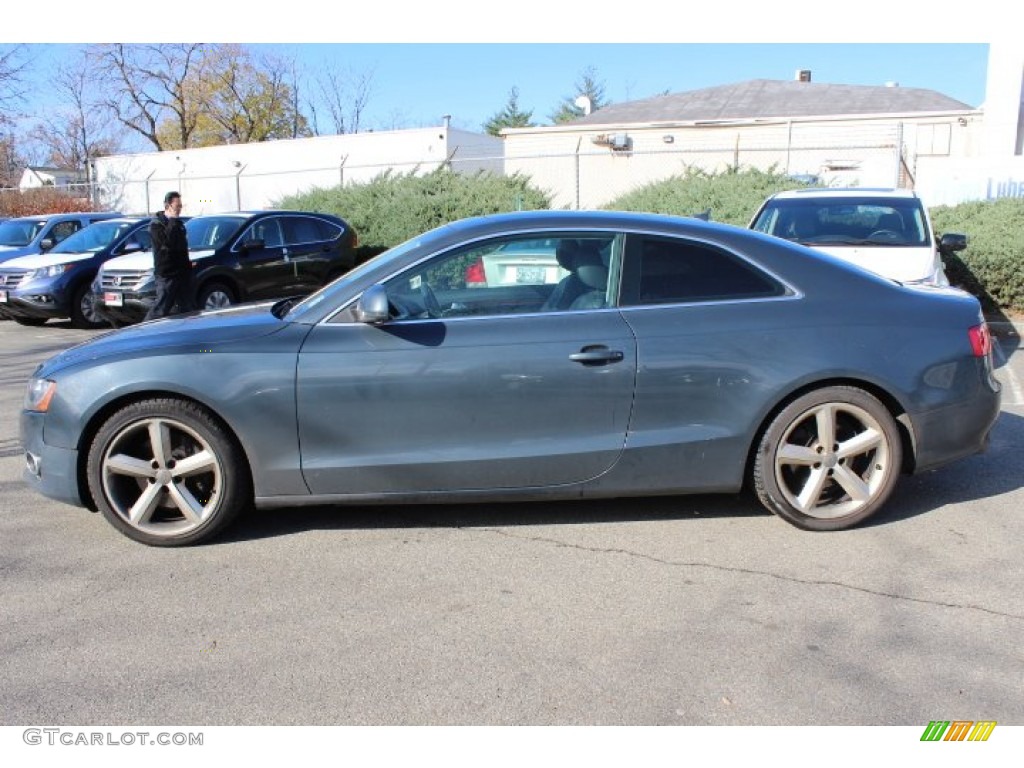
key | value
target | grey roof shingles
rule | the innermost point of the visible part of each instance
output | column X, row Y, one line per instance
column 755, row 99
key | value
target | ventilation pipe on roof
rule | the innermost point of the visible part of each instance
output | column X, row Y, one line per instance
column 803, row 75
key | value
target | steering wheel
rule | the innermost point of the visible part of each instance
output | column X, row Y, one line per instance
column 430, row 302
column 885, row 234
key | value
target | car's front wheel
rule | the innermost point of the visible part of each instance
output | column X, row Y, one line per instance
column 166, row 473
column 215, row 295
column 83, row 310
column 829, row 460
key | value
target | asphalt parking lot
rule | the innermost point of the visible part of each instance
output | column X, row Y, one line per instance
column 685, row 610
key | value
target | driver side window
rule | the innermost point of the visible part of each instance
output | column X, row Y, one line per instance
column 507, row 276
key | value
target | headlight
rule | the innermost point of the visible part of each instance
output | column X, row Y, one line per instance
column 39, row 394
column 52, row 271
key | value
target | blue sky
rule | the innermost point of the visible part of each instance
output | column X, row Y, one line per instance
column 472, row 81
column 462, row 57
column 414, row 84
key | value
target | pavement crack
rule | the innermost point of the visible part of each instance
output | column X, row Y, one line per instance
column 746, row 571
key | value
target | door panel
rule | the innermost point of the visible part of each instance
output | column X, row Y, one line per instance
column 470, row 403
column 265, row 271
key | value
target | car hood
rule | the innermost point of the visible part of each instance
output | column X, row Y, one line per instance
column 13, row 251
column 902, row 264
column 143, row 260
column 205, row 331
column 40, row 260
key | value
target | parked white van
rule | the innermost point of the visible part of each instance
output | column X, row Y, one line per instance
column 885, row 230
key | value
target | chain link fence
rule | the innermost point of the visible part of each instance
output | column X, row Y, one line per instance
column 585, row 170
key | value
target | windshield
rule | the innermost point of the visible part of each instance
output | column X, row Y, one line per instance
column 886, row 222
column 206, row 232
column 95, row 237
column 19, row 233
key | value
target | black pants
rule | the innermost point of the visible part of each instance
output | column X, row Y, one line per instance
column 176, row 291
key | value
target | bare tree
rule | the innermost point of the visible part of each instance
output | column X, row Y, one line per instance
column 76, row 131
column 150, row 84
column 345, row 95
column 13, row 63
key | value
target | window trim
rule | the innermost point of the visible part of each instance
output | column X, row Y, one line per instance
column 342, row 316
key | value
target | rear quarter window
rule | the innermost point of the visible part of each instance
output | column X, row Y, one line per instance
column 664, row 270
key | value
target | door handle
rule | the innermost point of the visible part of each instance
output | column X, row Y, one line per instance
column 597, row 355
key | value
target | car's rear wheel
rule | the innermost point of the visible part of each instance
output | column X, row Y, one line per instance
column 166, row 473
column 215, row 295
column 829, row 460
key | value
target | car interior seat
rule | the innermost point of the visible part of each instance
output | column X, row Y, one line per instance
column 592, row 273
column 804, row 224
column 890, row 222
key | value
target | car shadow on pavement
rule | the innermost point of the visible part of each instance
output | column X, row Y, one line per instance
column 269, row 523
column 996, row 472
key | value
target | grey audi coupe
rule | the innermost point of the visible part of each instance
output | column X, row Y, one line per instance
column 532, row 355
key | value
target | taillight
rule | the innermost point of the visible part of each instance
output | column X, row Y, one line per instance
column 475, row 274
column 981, row 340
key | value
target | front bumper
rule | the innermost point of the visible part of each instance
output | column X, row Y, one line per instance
column 51, row 471
column 132, row 309
column 41, row 304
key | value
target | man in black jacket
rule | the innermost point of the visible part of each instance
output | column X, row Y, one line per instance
column 172, row 267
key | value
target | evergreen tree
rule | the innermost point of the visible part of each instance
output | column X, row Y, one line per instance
column 587, row 85
column 510, row 116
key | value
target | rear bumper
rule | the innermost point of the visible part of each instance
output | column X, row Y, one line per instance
column 946, row 434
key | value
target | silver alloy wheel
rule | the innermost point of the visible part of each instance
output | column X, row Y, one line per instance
column 161, row 477
column 218, row 298
column 833, row 460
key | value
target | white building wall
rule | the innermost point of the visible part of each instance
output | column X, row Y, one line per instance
column 255, row 176
column 1004, row 100
column 581, row 168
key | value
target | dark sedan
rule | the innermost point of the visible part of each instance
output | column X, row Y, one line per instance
column 675, row 356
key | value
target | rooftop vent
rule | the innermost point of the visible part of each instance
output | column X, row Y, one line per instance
column 803, row 75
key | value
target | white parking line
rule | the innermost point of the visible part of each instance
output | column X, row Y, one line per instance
column 1011, row 380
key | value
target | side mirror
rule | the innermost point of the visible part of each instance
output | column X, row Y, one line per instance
column 131, row 247
column 47, row 243
column 372, row 307
column 254, row 244
column 951, row 242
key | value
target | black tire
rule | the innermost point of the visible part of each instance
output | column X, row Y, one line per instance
column 184, row 496
column 83, row 310
column 34, row 322
column 215, row 295
column 835, row 483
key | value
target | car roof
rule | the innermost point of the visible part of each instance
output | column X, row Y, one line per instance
column 841, row 192
column 76, row 215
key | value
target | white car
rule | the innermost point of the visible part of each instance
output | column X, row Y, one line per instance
column 885, row 230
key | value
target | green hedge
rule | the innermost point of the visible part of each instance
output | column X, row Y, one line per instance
column 731, row 197
column 992, row 266
column 394, row 207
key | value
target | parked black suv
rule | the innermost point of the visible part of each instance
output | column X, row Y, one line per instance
column 237, row 257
